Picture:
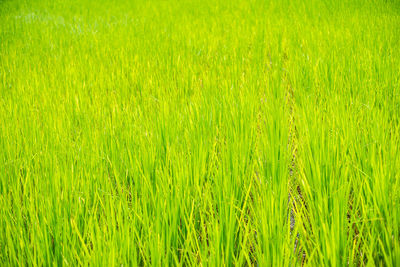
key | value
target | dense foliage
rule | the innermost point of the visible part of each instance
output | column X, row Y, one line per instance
column 200, row 132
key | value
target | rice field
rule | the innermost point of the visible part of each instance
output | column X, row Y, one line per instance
column 200, row 133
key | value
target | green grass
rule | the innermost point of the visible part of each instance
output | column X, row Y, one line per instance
column 193, row 132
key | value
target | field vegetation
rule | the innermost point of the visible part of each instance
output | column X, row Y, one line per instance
column 200, row 132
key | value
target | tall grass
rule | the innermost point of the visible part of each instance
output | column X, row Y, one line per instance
column 200, row 133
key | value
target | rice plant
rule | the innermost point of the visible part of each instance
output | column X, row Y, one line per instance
column 198, row 132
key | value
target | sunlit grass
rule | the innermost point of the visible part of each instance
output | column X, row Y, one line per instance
column 193, row 132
